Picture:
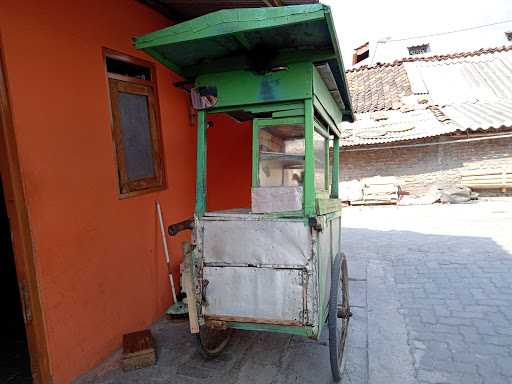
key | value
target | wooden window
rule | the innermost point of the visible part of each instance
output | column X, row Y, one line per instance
column 419, row 49
column 135, row 124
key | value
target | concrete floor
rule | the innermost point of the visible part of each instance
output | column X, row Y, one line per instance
column 431, row 290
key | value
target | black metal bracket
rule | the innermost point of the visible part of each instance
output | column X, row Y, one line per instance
column 315, row 224
column 174, row 229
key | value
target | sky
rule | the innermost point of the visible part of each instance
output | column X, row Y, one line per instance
column 359, row 21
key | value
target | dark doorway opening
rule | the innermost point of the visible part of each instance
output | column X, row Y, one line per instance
column 14, row 355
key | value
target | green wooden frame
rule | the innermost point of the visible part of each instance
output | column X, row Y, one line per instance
column 201, row 164
column 246, row 88
column 321, row 130
column 256, row 126
column 315, row 101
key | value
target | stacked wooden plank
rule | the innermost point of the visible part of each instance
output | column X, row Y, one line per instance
column 488, row 179
column 379, row 190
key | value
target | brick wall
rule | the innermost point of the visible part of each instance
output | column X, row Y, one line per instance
column 420, row 167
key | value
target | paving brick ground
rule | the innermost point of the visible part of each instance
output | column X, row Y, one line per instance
column 451, row 269
column 431, row 289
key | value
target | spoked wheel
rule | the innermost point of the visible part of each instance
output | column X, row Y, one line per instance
column 212, row 341
column 339, row 315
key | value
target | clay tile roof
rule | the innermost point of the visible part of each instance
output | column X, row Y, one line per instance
column 415, row 97
column 377, row 88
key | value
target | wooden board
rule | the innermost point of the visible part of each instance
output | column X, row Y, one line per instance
column 373, row 202
column 242, row 319
column 189, row 288
column 324, row 206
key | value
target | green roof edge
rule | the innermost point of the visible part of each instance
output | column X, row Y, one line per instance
column 343, row 86
column 255, row 18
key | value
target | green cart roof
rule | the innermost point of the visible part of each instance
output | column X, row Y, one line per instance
column 229, row 39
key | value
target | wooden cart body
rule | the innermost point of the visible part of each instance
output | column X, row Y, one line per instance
column 266, row 273
column 267, row 268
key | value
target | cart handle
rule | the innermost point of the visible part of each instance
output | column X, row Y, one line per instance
column 174, row 229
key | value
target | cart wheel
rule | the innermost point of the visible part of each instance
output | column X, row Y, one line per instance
column 339, row 315
column 211, row 341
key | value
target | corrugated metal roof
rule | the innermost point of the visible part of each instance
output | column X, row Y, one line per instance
column 460, row 80
column 481, row 115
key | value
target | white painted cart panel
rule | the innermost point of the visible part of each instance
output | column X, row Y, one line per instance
column 256, row 293
column 256, row 242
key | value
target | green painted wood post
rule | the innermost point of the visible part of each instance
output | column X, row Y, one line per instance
column 201, row 164
column 255, row 153
column 335, row 168
column 327, row 168
column 309, row 166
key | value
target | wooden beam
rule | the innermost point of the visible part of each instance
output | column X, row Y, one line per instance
column 335, row 168
column 201, row 164
column 188, row 283
column 273, row 3
column 240, row 37
column 309, row 164
column 22, row 244
column 243, row 319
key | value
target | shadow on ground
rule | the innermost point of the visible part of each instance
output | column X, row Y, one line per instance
column 428, row 308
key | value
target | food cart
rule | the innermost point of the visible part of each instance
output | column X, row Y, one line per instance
column 276, row 266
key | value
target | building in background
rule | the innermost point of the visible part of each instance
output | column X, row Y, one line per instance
column 431, row 120
column 389, row 49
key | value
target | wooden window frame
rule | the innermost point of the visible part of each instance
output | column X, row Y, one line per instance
column 119, row 83
column 420, row 49
column 318, row 128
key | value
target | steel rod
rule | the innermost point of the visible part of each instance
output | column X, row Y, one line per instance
column 166, row 250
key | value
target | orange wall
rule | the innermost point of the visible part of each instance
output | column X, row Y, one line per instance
column 229, row 162
column 99, row 259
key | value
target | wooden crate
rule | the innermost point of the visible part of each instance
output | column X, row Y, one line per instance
column 138, row 350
